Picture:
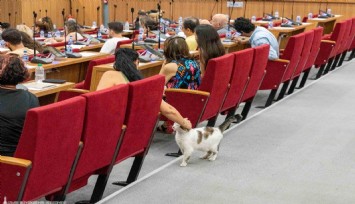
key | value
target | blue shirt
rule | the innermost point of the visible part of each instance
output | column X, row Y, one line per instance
column 262, row 36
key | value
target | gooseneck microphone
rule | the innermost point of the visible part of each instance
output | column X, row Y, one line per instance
column 83, row 15
column 36, row 59
column 159, row 17
column 46, row 13
column 214, row 6
column 9, row 17
column 68, row 54
column 230, row 15
column 133, row 24
column 76, row 25
column 114, row 12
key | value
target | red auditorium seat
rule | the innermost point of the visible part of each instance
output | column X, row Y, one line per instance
column 46, row 151
column 123, row 42
column 349, row 41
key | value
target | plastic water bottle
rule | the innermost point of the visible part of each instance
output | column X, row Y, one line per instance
column 253, row 19
column 2, row 43
column 298, row 19
column 276, row 14
column 40, row 75
column 5, row 200
column 57, row 33
column 99, row 35
column 126, row 25
column 49, row 35
column 54, row 27
column 229, row 35
column 94, row 25
column 270, row 25
column 69, row 46
column 310, row 15
column 329, row 11
column 162, row 26
column 25, row 56
column 41, row 34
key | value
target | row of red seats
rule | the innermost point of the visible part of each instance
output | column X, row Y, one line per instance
column 108, row 127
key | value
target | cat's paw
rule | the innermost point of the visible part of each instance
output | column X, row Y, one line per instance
column 183, row 164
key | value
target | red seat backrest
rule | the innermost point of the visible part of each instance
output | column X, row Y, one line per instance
column 337, row 36
column 122, row 42
column 50, row 139
column 306, row 50
column 243, row 60
column 317, row 38
column 141, row 115
column 257, row 72
column 292, row 53
column 105, row 113
column 351, row 44
column 92, row 63
column 347, row 35
column 215, row 81
column 58, row 44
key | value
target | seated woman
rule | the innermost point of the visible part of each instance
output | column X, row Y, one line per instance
column 126, row 71
column 28, row 42
column 72, row 30
column 180, row 69
column 209, row 43
column 14, row 102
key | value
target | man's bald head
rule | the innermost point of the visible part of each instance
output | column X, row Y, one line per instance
column 219, row 21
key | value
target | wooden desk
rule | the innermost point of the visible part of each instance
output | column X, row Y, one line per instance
column 236, row 46
column 147, row 69
column 47, row 96
column 266, row 23
column 70, row 69
column 284, row 33
column 90, row 47
column 326, row 23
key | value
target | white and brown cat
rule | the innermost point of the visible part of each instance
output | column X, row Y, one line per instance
column 204, row 139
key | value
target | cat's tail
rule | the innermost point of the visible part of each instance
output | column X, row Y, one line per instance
column 237, row 118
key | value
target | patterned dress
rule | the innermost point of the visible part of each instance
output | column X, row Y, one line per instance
column 188, row 75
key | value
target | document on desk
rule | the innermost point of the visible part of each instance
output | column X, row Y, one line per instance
column 282, row 28
column 88, row 54
column 77, row 46
column 39, row 86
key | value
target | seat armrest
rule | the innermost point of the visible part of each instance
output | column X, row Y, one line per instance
column 325, row 50
column 328, row 41
column 15, row 161
column 190, row 103
column 70, row 93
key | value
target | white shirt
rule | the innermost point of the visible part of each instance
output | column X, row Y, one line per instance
column 110, row 45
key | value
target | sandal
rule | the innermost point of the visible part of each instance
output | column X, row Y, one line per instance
column 167, row 130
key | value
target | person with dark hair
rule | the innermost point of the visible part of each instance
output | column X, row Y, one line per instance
column 42, row 26
column 72, row 30
column 141, row 13
column 258, row 36
column 180, row 69
column 13, row 40
column 48, row 21
column 115, row 31
column 209, row 43
column 126, row 71
column 4, row 26
column 188, row 27
column 28, row 42
column 14, row 102
column 148, row 24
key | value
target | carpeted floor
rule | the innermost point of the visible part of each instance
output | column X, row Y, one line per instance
column 297, row 151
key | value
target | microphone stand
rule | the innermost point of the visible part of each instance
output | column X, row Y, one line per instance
column 230, row 15
column 214, row 6
column 172, row 9
column 46, row 13
column 159, row 17
column 76, row 25
column 69, row 55
column 36, row 59
column 40, row 12
column 114, row 12
column 272, row 8
column 127, row 11
column 293, row 3
column 9, row 17
column 15, row 17
column 133, row 24
column 83, row 15
column 98, row 16
column 245, row 8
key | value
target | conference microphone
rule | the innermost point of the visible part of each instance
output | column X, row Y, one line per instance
column 98, row 16
column 114, row 12
column 76, row 25
column 68, row 54
column 214, row 6
column 36, row 59
column 83, row 15
column 46, row 13
column 132, row 12
column 159, row 33
column 9, row 17
column 245, row 8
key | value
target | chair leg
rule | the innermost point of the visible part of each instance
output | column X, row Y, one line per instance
column 174, row 154
column 304, row 78
column 133, row 173
column 329, row 65
column 320, row 71
column 246, row 109
column 271, row 97
column 334, row 65
column 99, row 188
column 293, row 85
column 342, row 58
column 352, row 55
column 212, row 122
column 283, row 90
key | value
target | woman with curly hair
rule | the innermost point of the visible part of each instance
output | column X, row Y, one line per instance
column 14, row 102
